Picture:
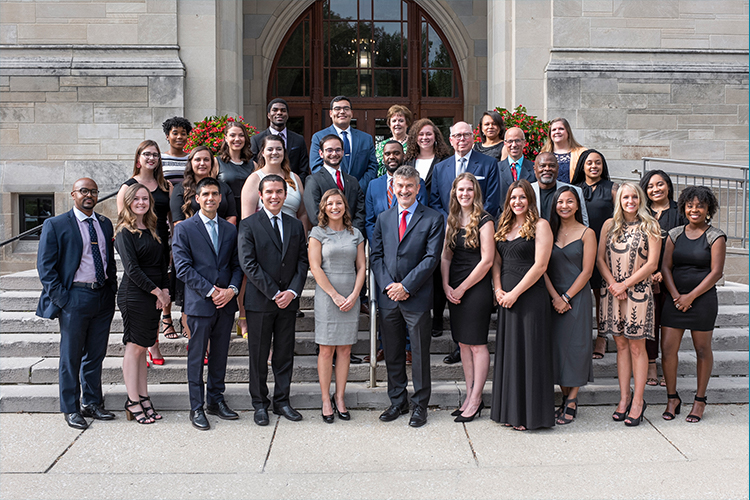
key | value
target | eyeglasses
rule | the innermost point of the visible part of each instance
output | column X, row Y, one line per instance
column 87, row 191
column 331, row 151
column 341, row 108
column 514, row 141
column 466, row 135
column 155, row 156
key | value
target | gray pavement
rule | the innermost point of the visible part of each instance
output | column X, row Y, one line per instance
column 40, row 457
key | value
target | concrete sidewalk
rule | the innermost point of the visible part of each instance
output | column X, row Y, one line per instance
column 41, row 457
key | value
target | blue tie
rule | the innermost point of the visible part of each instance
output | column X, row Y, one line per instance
column 347, row 151
column 214, row 235
column 95, row 253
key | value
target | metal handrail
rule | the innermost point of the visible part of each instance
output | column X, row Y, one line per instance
column 37, row 229
column 373, row 331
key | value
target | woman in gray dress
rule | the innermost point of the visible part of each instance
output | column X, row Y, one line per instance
column 567, row 280
column 336, row 252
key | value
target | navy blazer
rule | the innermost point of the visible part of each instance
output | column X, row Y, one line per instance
column 270, row 267
column 376, row 201
column 363, row 163
column 200, row 268
column 506, row 177
column 411, row 261
column 484, row 169
column 296, row 151
column 320, row 182
column 59, row 256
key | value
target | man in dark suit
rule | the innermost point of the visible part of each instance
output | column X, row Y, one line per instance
column 465, row 159
column 204, row 249
column 359, row 149
column 406, row 247
column 515, row 166
column 296, row 149
column 76, row 265
column 273, row 255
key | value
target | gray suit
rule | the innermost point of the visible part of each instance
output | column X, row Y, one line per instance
column 584, row 212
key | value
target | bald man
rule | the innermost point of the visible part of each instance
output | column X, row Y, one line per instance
column 514, row 166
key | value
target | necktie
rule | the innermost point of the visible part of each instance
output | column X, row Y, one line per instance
column 339, row 183
column 214, row 235
column 347, row 150
column 462, row 166
column 276, row 227
column 402, row 225
column 514, row 171
column 95, row 253
column 390, row 192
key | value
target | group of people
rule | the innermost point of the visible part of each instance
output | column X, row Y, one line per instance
column 481, row 229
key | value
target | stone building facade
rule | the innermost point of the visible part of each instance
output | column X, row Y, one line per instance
column 83, row 82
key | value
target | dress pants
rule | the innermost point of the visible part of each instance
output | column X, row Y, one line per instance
column 217, row 329
column 277, row 326
column 84, row 334
column 395, row 323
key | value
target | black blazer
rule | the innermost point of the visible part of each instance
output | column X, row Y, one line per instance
column 320, row 182
column 296, row 151
column 269, row 267
column 428, row 179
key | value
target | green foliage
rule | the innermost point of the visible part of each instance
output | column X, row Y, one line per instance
column 210, row 132
column 536, row 130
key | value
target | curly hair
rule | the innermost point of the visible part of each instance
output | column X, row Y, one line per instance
column 176, row 122
column 471, row 234
column 323, row 216
column 245, row 153
column 158, row 171
column 285, row 165
column 549, row 146
column 126, row 219
column 648, row 224
column 441, row 149
column 505, row 224
column 703, row 194
column 647, row 178
column 189, row 182
column 580, row 176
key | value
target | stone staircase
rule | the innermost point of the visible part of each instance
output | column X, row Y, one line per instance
column 29, row 355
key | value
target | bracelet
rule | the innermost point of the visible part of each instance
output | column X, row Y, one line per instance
column 566, row 297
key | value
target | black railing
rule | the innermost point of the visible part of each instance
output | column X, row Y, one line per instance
column 38, row 228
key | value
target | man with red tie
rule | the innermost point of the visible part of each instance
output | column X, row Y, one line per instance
column 515, row 166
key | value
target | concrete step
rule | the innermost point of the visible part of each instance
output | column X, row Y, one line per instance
column 38, row 370
column 48, row 344
column 446, row 395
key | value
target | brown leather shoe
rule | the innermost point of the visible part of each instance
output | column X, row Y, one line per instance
column 408, row 357
column 379, row 356
column 364, row 308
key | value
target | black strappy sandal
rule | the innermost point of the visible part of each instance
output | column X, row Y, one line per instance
column 139, row 416
column 668, row 415
column 692, row 418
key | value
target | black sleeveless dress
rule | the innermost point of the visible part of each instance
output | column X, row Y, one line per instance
column 470, row 320
column 600, row 208
column 523, row 387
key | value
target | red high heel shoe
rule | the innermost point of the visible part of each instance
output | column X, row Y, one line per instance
column 156, row 361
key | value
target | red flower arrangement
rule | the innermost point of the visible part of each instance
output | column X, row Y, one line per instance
column 536, row 130
column 210, row 132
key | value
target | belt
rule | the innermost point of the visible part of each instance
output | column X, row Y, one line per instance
column 91, row 286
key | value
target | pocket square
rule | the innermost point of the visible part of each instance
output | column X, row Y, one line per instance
column 480, row 177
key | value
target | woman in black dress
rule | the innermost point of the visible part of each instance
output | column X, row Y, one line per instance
column 658, row 188
column 468, row 254
column 148, row 171
column 693, row 263
column 492, row 131
column 599, row 194
column 143, row 292
column 523, row 391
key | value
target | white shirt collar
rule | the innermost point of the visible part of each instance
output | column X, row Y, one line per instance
column 348, row 130
column 82, row 216
column 270, row 215
column 206, row 219
column 467, row 156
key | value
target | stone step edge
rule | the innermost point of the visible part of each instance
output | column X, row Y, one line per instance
column 445, row 395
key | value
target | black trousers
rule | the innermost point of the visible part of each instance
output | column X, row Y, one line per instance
column 217, row 329
column 266, row 327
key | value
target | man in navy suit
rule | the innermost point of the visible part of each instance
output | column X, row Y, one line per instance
column 76, row 265
column 359, row 149
column 204, row 249
column 296, row 150
column 515, row 166
column 465, row 159
column 406, row 247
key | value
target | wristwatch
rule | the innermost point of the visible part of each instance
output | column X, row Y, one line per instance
column 234, row 289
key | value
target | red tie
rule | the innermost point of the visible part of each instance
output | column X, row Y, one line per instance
column 513, row 171
column 390, row 192
column 338, row 181
column 402, row 226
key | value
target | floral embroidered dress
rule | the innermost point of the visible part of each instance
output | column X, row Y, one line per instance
column 634, row 316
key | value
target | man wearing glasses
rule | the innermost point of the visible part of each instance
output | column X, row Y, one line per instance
column 484, row 168
column 515, row 166
column 76, row 264
column 359, row 149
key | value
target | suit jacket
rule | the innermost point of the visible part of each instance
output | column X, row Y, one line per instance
column 58, row 257
column 506, row 177
column 484, row 169
column 200, row 268
column 362, row 161
column 320, row 182
column 296, row 151
column 584, row 212
column 271, row 268
column 376, row 201
column 428, row 177
column 410, row 261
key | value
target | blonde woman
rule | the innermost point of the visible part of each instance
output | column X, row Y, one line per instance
column 143, row 292
column 563, row 145
column 628, row 255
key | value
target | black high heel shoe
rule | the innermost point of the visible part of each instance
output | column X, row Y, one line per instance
column 139, row 416
column 343, row 415
column 478, row 413
column 150, row 410
column 618, row 416
column 668, row 415
column 694, row 419
column 635, row 422
column 328, row 418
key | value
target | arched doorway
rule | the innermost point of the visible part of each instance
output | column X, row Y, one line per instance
column 377, row 52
